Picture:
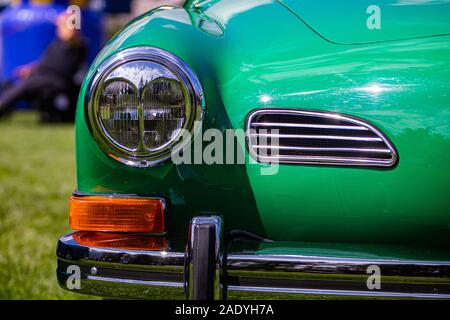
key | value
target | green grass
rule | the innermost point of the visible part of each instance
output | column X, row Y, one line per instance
column 37, row 174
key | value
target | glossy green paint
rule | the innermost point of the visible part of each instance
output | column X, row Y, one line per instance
column 341, row 250
column 345, row 22
column 244, row 62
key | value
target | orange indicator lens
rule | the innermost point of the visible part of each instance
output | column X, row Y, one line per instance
column 136, row 215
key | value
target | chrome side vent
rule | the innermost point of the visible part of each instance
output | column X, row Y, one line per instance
column 316, row 137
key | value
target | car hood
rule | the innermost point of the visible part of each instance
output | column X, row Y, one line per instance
column 346, row 22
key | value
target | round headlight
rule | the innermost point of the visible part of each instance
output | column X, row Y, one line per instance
column 140, row 100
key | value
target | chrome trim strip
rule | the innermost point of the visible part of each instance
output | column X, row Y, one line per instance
column 322, row 160
column 323, row 149
column 140, row 282
column 305, row 125
column 274, row 258
column 337, row 276
column 307, row 136
column 341, row 292
column 317, row 159
column 69, row 250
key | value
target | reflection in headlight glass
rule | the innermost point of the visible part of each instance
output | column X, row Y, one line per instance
column 118, row 110
column 164, row 112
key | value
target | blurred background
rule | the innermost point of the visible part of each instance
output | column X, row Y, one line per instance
column 37, row 153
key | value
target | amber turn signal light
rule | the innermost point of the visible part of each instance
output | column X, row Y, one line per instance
column 121, row 241
column 136, row 215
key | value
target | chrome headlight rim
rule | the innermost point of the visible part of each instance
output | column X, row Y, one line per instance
column 190, row 85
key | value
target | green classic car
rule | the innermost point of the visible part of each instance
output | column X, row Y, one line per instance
column 279, row 148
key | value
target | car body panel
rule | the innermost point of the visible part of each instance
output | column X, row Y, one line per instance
column 401, row 87
column 351, row 22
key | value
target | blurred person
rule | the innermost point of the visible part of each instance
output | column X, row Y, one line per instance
column 53, row 73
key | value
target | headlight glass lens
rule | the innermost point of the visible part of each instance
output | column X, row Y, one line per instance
column 164, row 106
column 140, row 103
column 118, row 113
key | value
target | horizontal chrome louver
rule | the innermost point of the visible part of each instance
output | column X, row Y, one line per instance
column 316, row 137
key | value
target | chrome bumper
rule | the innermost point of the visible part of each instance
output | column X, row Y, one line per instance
column 142, row 274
